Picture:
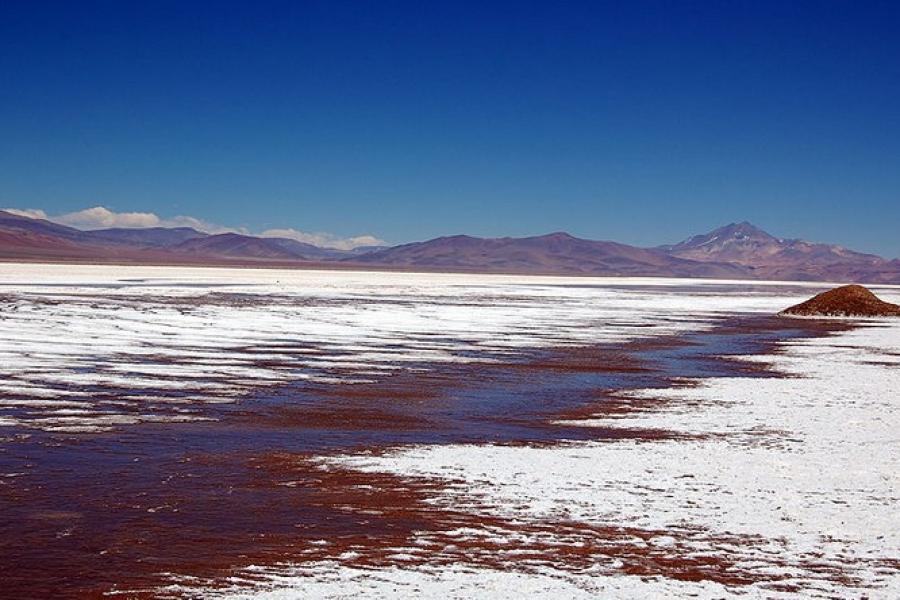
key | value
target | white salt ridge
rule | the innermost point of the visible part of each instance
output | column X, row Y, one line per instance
column 89, row 332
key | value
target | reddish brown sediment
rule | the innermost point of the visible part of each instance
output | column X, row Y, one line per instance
column 845, row 301
column 343, row 417
column 403, row 519
column 612, row 403
column 372, row 520
column 590, row 359
column 428, row 530
column 118, row 511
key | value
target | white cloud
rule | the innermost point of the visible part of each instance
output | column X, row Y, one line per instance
column 199, row 225
column 325, row 240
column 100, row 217
column 31, row 213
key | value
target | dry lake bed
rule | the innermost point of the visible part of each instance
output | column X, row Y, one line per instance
column 269, row 434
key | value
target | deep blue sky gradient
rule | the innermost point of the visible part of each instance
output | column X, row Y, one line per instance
column 643, row 122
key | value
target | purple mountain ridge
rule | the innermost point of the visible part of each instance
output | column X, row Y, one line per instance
column 552, row 254
column 735, row 251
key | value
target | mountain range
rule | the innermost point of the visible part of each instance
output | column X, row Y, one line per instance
column 736, row 251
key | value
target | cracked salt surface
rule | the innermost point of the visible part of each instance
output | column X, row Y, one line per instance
column 132, row 342
column 805, row 468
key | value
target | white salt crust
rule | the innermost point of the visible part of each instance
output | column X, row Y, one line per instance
column 77, row 336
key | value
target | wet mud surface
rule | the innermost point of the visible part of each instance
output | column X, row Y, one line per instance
column 86, row 514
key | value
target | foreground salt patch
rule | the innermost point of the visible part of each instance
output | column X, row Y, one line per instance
column 95, row 335
column 807, row 468
column 331, row 581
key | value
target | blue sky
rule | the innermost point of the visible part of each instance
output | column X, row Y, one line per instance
column 643, row 122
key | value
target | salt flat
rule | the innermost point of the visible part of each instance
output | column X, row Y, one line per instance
column 87, row 348
column 749, row 487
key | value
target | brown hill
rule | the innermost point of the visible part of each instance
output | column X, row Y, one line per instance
column 150, row 237
column 26, row 238
column 28, row 227
column 845, row 301
column 23, row 238
column 235, row 245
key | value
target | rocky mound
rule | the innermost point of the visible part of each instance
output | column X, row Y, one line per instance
column 845, row 301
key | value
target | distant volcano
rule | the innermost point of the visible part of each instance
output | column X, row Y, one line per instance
column 742, row 243
column 769, row 257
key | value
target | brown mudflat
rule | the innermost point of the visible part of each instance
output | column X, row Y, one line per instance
column 845, row 301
